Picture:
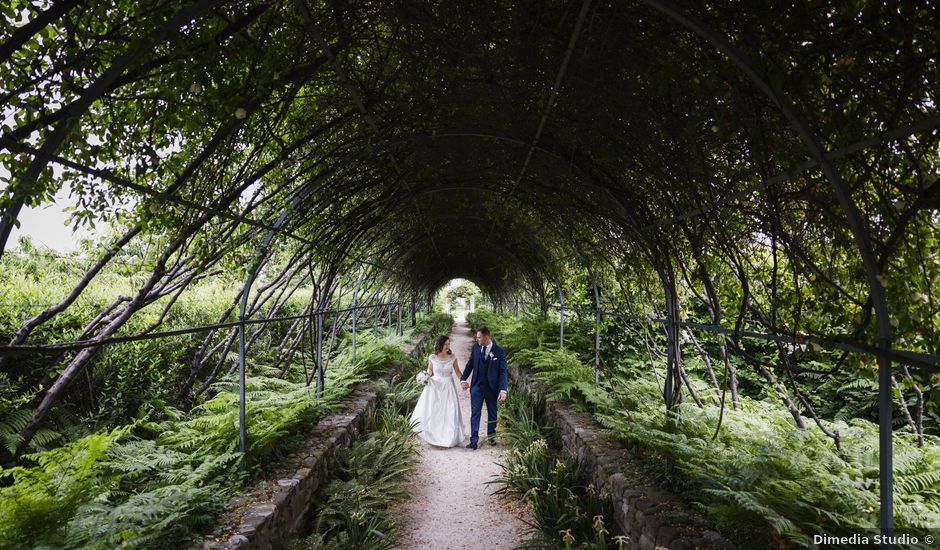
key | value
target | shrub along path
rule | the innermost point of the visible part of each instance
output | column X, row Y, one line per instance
column 451, row 506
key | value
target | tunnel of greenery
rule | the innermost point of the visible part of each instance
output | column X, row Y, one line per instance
column 752, row 187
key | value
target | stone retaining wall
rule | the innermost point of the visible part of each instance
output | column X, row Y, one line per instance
column 650, row 517
column 273, row 515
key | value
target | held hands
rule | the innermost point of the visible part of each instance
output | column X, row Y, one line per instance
column 466, row 386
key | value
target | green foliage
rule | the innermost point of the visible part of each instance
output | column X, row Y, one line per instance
column 847, row 395
column 516, row 333
column 509, row 332
column 522, row 418
column 566, row 512
column 38, row 498
column 762, row 480
column 10, row 428
column 400, row 392
column 158, row 487
column 565, row 374
column 248, row 134
column 435, row 325
column 166, row 496
column 464, row 290
column 123, row 379
column 353, row 512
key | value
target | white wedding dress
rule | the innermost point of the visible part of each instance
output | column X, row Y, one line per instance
column 437, row 418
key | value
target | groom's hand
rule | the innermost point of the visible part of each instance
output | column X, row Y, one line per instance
column 465, row 385
column 502, row 396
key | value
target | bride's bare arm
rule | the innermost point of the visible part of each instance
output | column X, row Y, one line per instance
column 430, row 367
column 457, row 368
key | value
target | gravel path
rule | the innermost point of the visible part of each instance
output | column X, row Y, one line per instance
column 451, row 506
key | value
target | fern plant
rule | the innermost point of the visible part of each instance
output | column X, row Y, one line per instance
column 157, row 484
column 765, row 482
column 353, row 511
column 49, row 493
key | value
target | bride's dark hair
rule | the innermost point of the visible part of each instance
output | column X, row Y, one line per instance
column 439, row 346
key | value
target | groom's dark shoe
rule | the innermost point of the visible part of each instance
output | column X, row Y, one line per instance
column 472, row 445
column 492, row 441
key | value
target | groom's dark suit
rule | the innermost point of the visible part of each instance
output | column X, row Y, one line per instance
column 490, row 376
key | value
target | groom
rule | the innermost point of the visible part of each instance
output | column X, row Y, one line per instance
column 489, row 383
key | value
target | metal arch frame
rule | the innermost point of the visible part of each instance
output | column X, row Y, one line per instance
column 597, row 316
column 321, row 361
column 400, row 328
column 261, row 255
column 532, row 243
column 364, row 152
column 301, row 6
column 559, row 77
column 923, row 125
column 318, row 357
column 386, row 144
column 859, row 232
column 524, row 266
column 561, row 310
column 355, row 298
column 375, row 315
column 561, row 315
column 488, row 190
column 440, row 280
column 898, row 133
column 485, row 190
column 546, row 262
column 575, row 167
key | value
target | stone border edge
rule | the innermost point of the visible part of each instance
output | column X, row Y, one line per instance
column 650, row 517
column 269, row 522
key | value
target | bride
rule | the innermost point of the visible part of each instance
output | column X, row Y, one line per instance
column 437, row 418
